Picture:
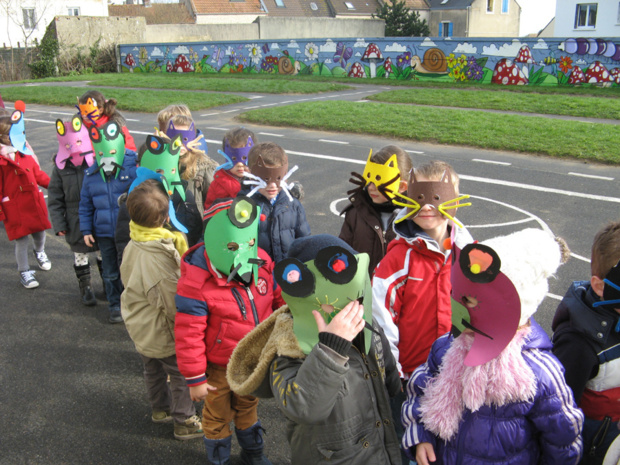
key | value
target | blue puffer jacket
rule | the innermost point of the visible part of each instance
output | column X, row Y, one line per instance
column 99, row 199
column 282, row 223
column 543, row 430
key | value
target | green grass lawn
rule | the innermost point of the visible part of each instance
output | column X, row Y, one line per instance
column 558, row 138
column 147, row 101
column 552, row 104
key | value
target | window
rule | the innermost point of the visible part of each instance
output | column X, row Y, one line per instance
column 73, row 11
column 505, row 4
column 349, row 6
column 445, row 29
column 280, row 3
column 490, row 6
column 30, row 19
column 313, row 6
column 585, row 16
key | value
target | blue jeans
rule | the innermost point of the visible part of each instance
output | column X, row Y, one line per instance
column 111, row 273
column 590, row 429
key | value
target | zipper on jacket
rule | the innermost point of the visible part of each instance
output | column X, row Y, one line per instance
column 254, row 311
column 239, row 300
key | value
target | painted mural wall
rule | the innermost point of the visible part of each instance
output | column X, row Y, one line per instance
column 570, row 61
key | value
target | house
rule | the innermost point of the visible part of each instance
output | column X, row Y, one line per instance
column 228, row 12
column 360, row 9
column 155, row 13
column 474, row 18
column 297, row 8
column 26, row 20
column 577, row 18
column 421, row 7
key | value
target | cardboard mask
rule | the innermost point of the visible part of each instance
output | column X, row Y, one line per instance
column 73, row 143
column 17, row 133
column 440, row 195
column 231, row 240
column 235, row 155
column 186, row 135
column 261, row 176
column 142, row 174
column 385, row 176
column 483, row 300
column 163, row 158
column 90, row 110
column 109, row 146
column 327, row 284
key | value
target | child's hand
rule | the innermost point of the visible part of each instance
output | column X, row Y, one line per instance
column 89, row 240
column 424, row 453
column 61, row 233
column 198, row 393
column 347, row 323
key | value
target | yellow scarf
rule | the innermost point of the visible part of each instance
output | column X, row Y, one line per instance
column 142, row 234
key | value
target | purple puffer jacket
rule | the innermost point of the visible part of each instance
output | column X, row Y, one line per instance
column 543, row 430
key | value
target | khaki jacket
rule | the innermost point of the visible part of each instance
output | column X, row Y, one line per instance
column 150, row 271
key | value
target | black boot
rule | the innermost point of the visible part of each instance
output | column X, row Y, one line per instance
column 251, row 442
column 103, row 294
column 83, row 275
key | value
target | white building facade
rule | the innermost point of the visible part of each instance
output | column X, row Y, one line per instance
column 23, row 21
column 583, row 18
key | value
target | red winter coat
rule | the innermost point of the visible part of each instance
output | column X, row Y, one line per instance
column 103, row 119
column 22, row 205
column 213, row 315
column 223, row 186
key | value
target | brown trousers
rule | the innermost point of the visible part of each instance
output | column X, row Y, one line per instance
column 223, row 406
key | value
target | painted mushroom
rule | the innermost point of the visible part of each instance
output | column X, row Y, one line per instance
column 577, row 76
column 182, row 65
column 387, row 66
column 525, row 58
column 372, row 56
column 129, row 60
column 169, row 67
column 597, row 73
column 615, row 74
column 507, row 73
column 357, row 71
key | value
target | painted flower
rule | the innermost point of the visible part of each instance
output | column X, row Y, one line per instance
column 471, row 61
column 256, row 54
column 311, row 51
column 403, row 60
column 451, row 60
column 565, row 64
column 143, row 55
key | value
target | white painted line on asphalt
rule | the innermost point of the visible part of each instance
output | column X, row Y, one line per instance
column 232, row 111
column 497, row 225
column 591, row 176
column 39, row 121
column 252, row 97
column 269, row 105
column 31, row 84
column 213, row 141
column 271, row 134
column 134, row 120
column 362, row 101
column 492, row 162
column 217, row 129
column 414, row 151
column 579, row 257
column 540, row 188
column 287, row 101
column 326, row 157
column 555, row 297
column 251, row 108
column 210, row 114
column 141, row 132
column 51, row 112
column 341, row 142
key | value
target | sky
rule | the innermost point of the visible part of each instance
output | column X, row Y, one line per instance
column 535, row 15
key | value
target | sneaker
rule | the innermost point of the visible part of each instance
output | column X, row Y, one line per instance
column 42, row 260
column 161, row 416
column 28, row 280
column 190, row 429
column 115, row 316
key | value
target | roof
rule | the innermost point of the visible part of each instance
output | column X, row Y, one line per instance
column 414, row 4
column 157, row 13
column 360, row 7
column 227, row 7
column 320, row 9
column 450, row 4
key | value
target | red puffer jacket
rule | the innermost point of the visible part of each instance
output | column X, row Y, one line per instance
column 22, row 205
column 213, row 315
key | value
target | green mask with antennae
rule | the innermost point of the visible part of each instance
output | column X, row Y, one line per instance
column 163, row 158
column 109, row 147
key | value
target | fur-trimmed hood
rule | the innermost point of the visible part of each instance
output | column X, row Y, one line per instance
column 248, row 368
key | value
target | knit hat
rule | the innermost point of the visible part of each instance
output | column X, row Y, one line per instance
column 529, row 258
